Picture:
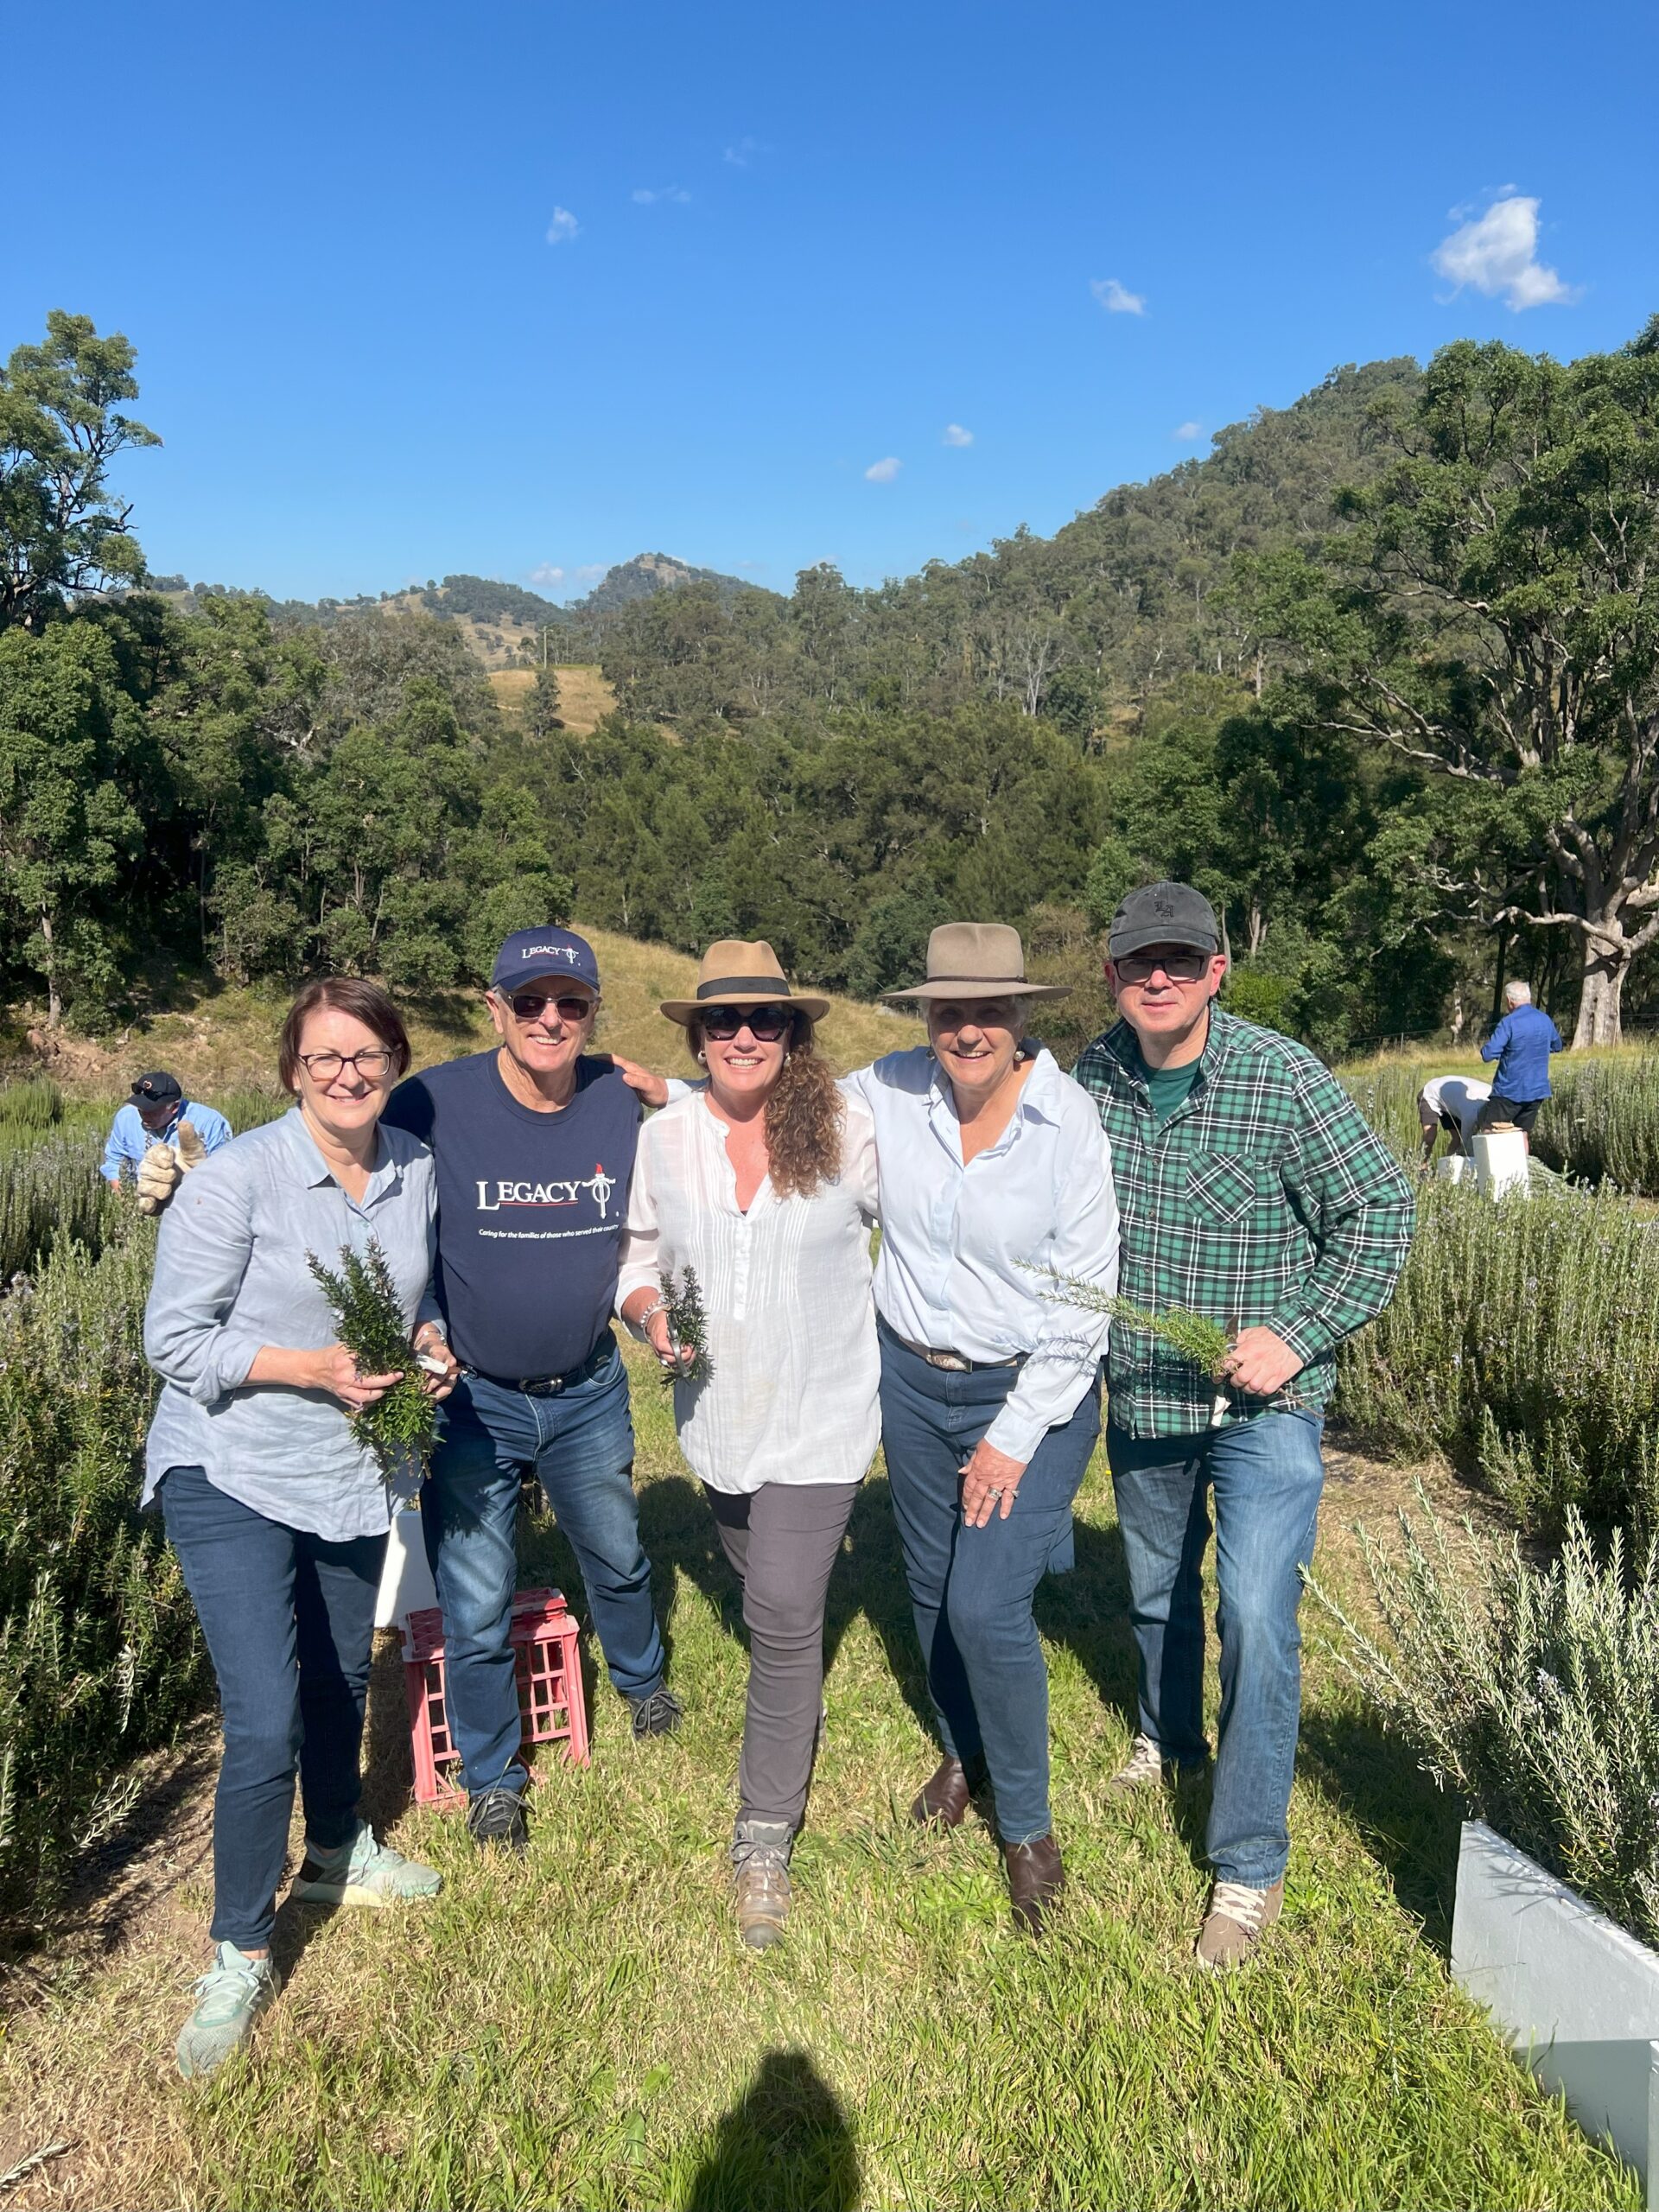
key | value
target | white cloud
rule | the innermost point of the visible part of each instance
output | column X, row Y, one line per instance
column 956, row 436
column 1498, row 253
column 1113, row 297
column 645, row 195
column 1185, row 430
column 740, row 155
column 883, row 472
column 549, row 575
column 563, row 226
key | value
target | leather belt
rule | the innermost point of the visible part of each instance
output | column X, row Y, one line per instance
column 953, row 1362
column 550, row 1386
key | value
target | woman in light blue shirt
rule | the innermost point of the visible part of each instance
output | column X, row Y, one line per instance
column 277, row 1512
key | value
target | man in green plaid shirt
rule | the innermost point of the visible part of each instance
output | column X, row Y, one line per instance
column 1251, row 1190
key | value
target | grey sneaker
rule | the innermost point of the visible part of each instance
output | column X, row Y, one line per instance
column 230, row 1997
column 364, row 1873
column 498, row 1816
column 1143, row 1770
column 1237, row 1918
column 760, row 1860
column 659, row 1715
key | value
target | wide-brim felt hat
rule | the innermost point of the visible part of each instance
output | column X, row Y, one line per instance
column 977, row 960
column 732, row 973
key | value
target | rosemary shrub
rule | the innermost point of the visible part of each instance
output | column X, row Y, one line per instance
column 1194, row 1335
column 687, row 1325
column 401, row 1428
column 1534, row 1692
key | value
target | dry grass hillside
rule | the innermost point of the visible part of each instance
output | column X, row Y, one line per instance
column 225, row 1040
column 585, row 698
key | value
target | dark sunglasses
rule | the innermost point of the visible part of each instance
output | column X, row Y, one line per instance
column 1179, row 967
column 528, row 1006
column 765, row 1024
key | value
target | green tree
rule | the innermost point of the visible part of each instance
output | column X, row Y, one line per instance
column 62, row 533
column 68, row 825
column 1491, row 617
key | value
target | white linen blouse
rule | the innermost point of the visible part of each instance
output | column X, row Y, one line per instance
column 791, row 1395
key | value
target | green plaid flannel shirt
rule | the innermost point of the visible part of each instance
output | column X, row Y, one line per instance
column 1266, row 1199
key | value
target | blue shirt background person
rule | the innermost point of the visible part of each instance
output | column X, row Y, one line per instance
column 152, row 1117
column 1521, row 1045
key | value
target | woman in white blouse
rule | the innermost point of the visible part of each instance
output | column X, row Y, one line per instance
column 763, row 1184
column 993, row 1163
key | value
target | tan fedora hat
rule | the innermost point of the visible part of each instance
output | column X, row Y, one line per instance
column 977, row 960
column 732, row 973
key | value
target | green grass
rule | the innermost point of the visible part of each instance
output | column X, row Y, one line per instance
column 585, row 2031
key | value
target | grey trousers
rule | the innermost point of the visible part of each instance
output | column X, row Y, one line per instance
column 782, row 1541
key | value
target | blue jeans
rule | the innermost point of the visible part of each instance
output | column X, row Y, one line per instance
column 1266, row 1475
column 289, row 1624
column 581, row 1446
column 971, row 1589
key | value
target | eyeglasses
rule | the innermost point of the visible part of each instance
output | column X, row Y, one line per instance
column 530, row 1006
column 1179, row 967
column 765, row 1024
column 324, row 1067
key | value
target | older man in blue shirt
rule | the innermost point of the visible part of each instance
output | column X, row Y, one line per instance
column 152, row 1117
column 1521, row 1045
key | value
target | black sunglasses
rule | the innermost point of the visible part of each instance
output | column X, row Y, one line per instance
column 528, row 1006
column 765, row 1024
column 1179, row 967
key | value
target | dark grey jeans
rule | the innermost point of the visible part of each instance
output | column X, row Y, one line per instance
column 782, row 1541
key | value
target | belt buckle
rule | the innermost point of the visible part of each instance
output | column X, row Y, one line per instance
column 542, row 1386
column 951, row 1363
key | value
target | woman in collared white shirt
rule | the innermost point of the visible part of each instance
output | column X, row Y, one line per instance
column 992, row 1163
column 764, row 1185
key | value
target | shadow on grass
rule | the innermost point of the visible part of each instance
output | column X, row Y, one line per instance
column 1408, row 1826
column 787, row 2144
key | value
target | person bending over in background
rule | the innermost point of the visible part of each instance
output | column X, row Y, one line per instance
column 1253, row 1191
column 277, row 1513
column 1521, row 1045
column 764, row 1185
column 533, row 1145
column 159, row 1136
column 1451, row 1103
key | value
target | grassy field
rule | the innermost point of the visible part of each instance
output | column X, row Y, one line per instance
column 585, row 697
column 227, row 1038
column 585, row 2031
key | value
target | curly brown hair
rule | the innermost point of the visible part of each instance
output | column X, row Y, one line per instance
column 803, row 1115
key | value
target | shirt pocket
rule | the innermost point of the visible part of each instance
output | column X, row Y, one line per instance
column 1221, row 1190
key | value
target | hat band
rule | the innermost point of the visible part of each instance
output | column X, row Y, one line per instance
column 999, row 983
column 764, row 987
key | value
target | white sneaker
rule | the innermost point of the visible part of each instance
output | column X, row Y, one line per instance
column 1143, row 1769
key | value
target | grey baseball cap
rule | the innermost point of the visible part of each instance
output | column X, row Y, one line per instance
column 1164, row 913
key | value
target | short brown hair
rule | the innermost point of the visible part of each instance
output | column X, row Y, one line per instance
column 365, row 1001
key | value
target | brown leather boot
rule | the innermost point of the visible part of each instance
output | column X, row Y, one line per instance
column 1036, row 1879
column 943, row 1799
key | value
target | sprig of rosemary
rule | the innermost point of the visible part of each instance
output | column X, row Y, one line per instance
column 688, row 1326
column 1194, row 1335
column 401, row 1428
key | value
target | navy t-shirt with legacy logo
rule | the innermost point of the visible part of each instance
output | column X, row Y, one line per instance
column 530, row 1209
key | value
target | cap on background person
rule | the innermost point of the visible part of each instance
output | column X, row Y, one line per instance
column 157, row 1088
column 1164, row 913
column 529, row 953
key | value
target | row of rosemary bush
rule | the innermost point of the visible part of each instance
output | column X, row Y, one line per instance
column 1524, row 1343
column 1530, row 1689
column 99, row 1657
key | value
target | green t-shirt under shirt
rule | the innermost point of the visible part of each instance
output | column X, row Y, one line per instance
column 1168, row 1086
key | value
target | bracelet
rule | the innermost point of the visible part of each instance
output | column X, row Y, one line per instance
column 649, row 1315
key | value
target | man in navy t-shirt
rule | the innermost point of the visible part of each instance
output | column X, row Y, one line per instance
column 534, row 1144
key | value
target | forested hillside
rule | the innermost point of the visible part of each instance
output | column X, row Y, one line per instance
column 1379, row 674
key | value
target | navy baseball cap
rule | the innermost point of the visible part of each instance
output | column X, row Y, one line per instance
column 530, row 953
column 157, row 1088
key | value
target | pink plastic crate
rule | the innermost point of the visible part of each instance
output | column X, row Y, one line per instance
column 550, row 1703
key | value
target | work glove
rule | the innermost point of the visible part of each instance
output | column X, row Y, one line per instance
column 163, row 1168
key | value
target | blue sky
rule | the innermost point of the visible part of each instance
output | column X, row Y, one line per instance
column 523, row 289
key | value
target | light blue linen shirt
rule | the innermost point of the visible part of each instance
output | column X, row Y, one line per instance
column 129, row 1140
column 231, row 1277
